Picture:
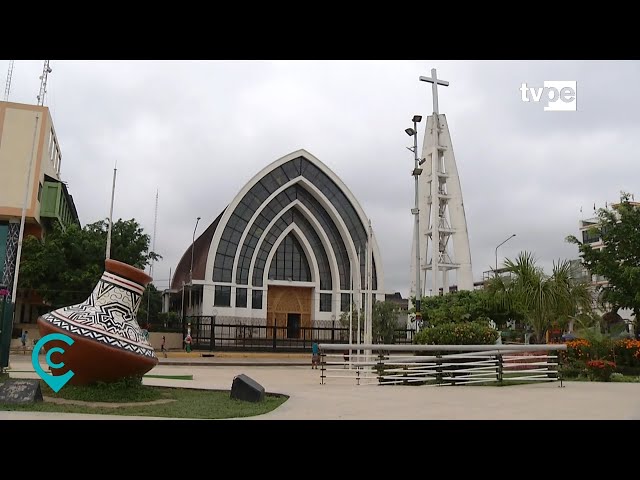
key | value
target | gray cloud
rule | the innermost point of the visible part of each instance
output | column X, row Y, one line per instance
column 197, row 131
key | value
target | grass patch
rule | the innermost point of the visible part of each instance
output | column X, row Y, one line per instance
column 614, row 379
column 124, row 391
column 189, row 403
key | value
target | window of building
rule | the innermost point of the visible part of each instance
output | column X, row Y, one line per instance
column 290, row 262
column 241, row 297
column 222, row 296
column 325, row 302
column 256, row 197
column 344, row 302
column 591, row 235
column 256, row 299
column 51, row 145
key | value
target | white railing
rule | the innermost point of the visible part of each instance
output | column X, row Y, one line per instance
column 433, row 365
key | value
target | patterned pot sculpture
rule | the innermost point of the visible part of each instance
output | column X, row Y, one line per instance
column 108, row 344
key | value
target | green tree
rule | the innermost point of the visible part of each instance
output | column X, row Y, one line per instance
column 464, row 306
column 344, row 322
column 543, row 300
column 619, row 259
column 385, row 322
column 129, row 243
column 66, row 265
column 150, row 306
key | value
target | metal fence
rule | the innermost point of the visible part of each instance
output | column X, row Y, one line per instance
column 441, row 364
column 251, row 334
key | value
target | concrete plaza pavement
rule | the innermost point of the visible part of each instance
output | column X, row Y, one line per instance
column 343, row 399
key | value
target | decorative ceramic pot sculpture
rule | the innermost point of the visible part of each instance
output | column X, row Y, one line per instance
column 108, row 342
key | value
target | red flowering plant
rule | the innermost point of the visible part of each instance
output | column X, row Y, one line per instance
column 578, row 349
column 600, row 370
column 627, row 352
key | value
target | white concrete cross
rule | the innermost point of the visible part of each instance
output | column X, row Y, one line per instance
column 434, row 81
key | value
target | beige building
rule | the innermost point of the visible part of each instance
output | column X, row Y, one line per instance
column 30, row 162
column 589, row 234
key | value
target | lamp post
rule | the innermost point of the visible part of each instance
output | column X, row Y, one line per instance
column 513, row 235
column 193, row 241
column 413, row 132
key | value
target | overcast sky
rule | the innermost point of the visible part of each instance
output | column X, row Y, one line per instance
column 197, row 131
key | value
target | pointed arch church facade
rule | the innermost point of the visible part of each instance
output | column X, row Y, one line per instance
column 289, row 249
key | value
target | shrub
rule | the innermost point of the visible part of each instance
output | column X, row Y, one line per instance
column 574, row 368
column 577, row 350
column 471, row 333
column 627, row 353
column 603, row 349
column 585, row 350
column 600, row 370
column 617, row 377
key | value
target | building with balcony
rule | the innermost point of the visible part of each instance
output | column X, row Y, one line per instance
column 590, row 234
column 30, row 181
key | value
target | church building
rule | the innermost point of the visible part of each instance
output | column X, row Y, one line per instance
column 289, row 250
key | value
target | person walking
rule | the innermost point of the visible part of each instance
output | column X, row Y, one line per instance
column 315, row 355
column 23, row 338
column 163, row 346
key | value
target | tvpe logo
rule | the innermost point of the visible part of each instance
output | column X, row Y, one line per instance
column 55, row 382
column 561, row 96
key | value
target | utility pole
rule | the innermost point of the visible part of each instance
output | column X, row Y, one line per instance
column 416, row 213
column 153, row 249
column 193, row 242
column 113, row 191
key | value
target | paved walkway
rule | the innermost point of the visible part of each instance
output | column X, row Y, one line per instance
column 342, row 399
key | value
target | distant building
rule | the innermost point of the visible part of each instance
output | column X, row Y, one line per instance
column 28, row 142
column 402, row 303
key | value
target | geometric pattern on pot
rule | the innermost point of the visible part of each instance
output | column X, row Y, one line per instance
column 107, row 316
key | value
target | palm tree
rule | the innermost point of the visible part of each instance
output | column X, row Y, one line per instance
column 572, row 297
column 544, row 300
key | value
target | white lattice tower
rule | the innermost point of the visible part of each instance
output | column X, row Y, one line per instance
column 442, row 219
column 7, row 85
column 46, row 70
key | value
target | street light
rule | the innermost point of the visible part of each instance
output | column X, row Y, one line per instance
column 513, row 235
column 193, row 241
column 413, row 132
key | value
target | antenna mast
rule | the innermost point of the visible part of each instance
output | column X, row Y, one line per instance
column 46, row 70
column 7, row 85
